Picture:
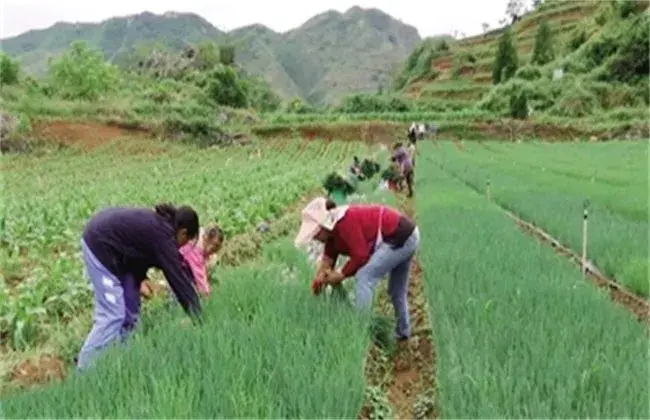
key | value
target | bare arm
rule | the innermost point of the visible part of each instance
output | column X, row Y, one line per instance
column 326, row 264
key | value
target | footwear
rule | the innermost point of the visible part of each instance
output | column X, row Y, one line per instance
column 402, row 343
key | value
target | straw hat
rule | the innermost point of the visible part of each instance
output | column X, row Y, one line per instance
column 316, row 216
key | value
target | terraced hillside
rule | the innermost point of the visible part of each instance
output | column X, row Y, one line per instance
column 463, row 73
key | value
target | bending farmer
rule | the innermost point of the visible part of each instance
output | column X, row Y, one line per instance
column 379, row 241
column 401, row 156
column 355, row 168
column 197, row 253
column 119, row 246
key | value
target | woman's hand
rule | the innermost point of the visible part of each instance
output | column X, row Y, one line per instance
column 334, row 277
column 146, row 291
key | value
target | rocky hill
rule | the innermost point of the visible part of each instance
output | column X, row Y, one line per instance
column 330, row 55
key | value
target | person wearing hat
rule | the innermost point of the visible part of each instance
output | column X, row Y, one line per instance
column 378, row 239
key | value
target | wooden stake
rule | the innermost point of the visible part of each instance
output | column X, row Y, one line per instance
column 487, row 189
column 585, row 217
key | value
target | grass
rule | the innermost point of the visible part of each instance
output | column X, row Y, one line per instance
column 519, row 333
column 272, row 353
column 50, row 198
column 548, row 184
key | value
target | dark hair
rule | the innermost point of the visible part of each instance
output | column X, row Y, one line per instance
column 329, row 204
column 397, row 145
column 183, row 217
column 214, row 232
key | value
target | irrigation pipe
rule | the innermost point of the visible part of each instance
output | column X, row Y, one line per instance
column 589, row 266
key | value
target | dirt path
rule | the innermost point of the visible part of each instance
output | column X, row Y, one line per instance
column 403, row 383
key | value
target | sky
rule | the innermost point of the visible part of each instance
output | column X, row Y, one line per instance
column 430, row 17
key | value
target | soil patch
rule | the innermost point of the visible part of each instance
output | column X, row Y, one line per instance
column 408, row 377
column 38, row 370
column 443, row 63
column 369, row 132
column 87, row 135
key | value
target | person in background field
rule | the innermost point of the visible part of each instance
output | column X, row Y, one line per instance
column 412, row 135
column 119, row 246
column 421, row 131
column 355, row 168
column 197, row 254
column 411, row 152
column 378, row 239
column 401, row 156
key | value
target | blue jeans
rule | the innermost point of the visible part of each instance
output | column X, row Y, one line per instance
column 396, row 263
column 117, row 308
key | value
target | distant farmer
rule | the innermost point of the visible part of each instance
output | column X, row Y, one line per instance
column 119, row 246
column 401, row 156
column 197, row 254
column 355, row 168
column 379, row 241
column 411, row 149
column 412, row 133
column 421, row 131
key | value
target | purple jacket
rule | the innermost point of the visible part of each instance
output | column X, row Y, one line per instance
column 132, row 240
column 402, row 157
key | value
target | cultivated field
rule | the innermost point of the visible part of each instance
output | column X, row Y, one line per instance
column 515, row 330
column 49, row 199
column 519, row 332
column 548, row 184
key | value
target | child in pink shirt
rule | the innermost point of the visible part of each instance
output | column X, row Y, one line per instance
column 197, row 254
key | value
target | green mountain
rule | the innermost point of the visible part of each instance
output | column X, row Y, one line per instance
column 330, row 55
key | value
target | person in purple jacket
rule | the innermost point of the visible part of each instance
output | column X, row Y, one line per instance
column 402, row 157
column 119, row 246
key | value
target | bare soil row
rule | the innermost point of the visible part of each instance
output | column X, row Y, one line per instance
column 404, row 379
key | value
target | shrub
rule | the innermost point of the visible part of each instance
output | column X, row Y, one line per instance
column 528, row 73
column 577, row 38
column 82, row 73
column 575, row 102
column 519, row 105
column 224, row 87
column 9, row 70
column 361, row 103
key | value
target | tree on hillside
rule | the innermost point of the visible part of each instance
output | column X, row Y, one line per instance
column 207, row 56
column 485, row 26
column 227, row 55
column 543, row 52
column 537, row 3
column 225, row 87
column 515, row 9
column 506, row 60
column 9, row 69
column 82, row 73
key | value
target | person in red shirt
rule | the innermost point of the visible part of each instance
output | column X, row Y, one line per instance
column 378, row 239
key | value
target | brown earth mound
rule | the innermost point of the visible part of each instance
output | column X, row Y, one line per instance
column 38, row 370
column 369, row 132
column 87, row 135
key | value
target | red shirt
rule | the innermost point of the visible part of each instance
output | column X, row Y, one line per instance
column 356, row 233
